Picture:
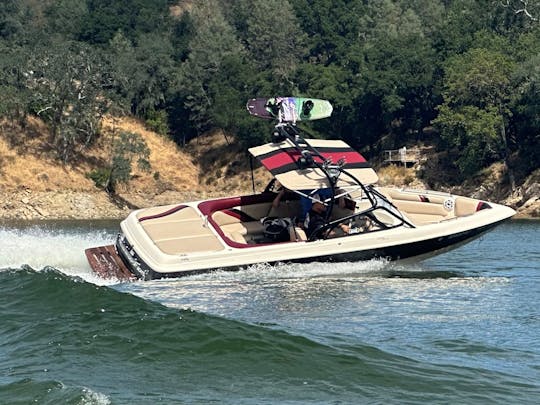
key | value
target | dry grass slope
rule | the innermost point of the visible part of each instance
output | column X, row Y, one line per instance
column 27, row 162
column 171, row 168
column 34, row 184
column 32, row 165
column 226, row 165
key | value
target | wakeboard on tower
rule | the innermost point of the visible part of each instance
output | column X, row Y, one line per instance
column 289, row 109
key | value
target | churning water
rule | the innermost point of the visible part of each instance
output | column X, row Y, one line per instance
column 462, row 327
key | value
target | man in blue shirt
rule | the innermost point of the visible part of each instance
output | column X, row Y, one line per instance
column 316, row 219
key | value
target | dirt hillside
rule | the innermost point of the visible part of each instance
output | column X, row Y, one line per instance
column 35, row 185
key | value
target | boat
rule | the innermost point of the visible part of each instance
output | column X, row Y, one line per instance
column 362, row 220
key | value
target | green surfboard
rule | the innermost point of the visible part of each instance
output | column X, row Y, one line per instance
column 289, row 109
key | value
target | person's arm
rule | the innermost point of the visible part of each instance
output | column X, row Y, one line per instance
column 277, row 198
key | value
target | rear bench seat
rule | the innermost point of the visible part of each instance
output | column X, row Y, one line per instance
column 236, row 229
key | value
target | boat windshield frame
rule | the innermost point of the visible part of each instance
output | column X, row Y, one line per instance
column 378, row 202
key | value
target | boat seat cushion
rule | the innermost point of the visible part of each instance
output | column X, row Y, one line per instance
column 418, row 207
column 237, row 237
column 231, row 216
column 297, row 234
column 222, row 218
column 465, row 206
column 244, row 228
column 423, row 212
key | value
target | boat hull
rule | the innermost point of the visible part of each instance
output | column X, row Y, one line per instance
column 117, row 263
column 424, row 248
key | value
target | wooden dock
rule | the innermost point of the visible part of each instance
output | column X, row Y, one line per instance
column 402, row 156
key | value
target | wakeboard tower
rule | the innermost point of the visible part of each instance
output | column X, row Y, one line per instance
column 229, row 233
column 306, row 166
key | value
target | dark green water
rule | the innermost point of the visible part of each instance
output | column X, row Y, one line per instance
column 462, row 327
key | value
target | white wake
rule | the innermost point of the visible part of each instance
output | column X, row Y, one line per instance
column 41, row 246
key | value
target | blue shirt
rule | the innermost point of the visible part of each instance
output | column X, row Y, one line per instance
column 306, row 203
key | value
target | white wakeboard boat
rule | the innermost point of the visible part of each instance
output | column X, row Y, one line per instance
column 235, row 232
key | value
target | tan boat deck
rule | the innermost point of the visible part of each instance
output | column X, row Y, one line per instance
column 181, row 232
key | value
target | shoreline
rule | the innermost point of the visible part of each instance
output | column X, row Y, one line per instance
column 28, row 205
column 83, row 205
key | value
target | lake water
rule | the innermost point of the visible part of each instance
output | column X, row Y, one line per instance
column 462, row 327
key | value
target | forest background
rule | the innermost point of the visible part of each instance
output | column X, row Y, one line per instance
column 460, row 75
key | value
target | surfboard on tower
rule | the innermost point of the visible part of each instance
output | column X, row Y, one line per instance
column 289, row 109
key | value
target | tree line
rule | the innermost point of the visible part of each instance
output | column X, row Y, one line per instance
column 466, row 74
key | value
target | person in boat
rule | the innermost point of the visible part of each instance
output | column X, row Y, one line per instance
column 323, row 194
column 277, row 199
column 306, row 203
column 316, row 219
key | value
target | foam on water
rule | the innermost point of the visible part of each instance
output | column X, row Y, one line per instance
column 40, row 247
column 94, row 398
column 264, row 271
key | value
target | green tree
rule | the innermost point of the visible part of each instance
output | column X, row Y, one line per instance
column 333, row 83
column 124, row 72
column 65, row 17
column 388, row 19
column 132, row 17
column 142, row 76
column 391, row 86
column 182, row 33
column 127, row 148
column 13, row 79
column 214, row 41
column 67, row 93
column 271, row 34
column 529, row 10
column 474, row 115
column 526, row 112
column 155, row 73
column 331, row 27
column 429, row 12
column 10, row 18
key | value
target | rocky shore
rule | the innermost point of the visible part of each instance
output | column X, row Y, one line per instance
column 52, row 205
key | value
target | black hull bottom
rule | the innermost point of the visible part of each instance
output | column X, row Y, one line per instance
column 397, row 252
column 428, row 247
